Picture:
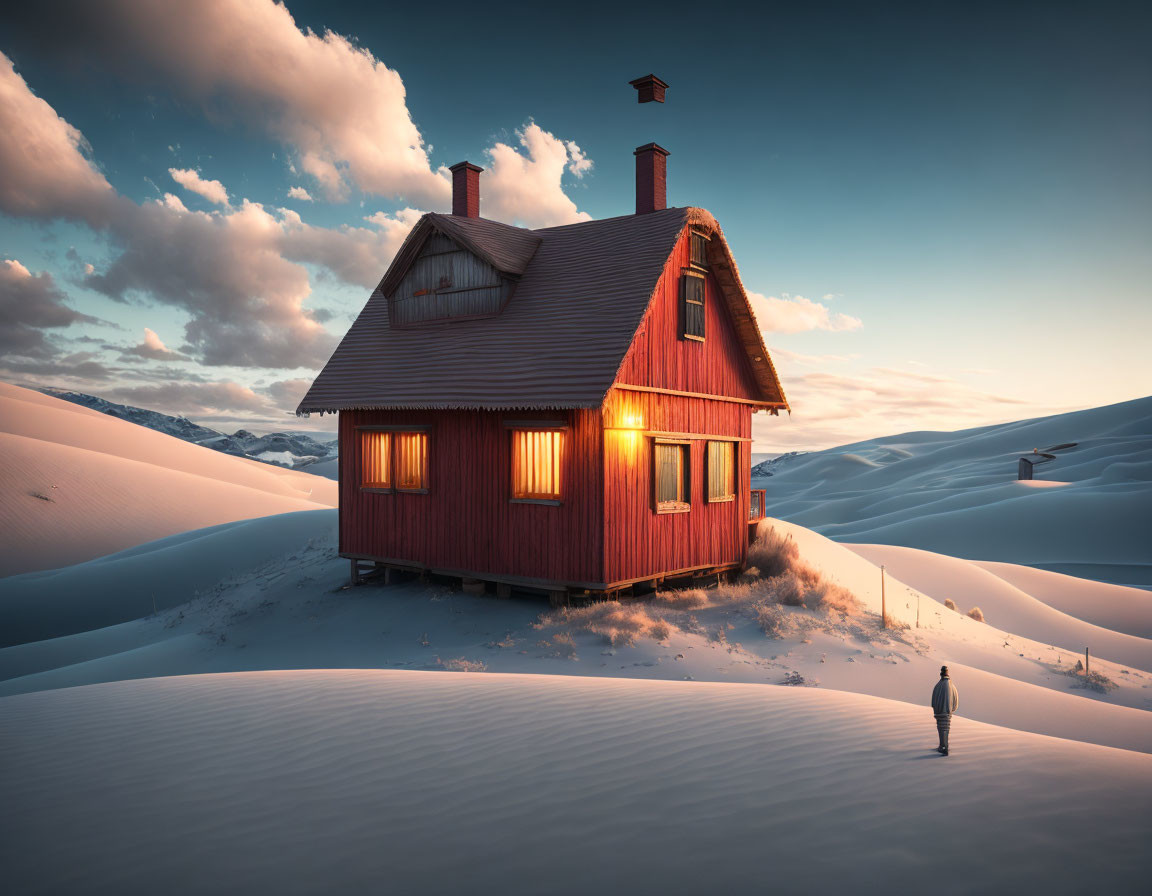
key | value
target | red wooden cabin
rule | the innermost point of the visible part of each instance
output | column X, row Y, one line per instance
column 566, row 409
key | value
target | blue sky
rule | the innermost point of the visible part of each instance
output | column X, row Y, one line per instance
column 944, row 212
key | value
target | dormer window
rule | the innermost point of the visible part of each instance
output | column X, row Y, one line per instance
column 692, row 305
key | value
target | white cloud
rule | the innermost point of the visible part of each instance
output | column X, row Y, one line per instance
column 299, row 193
column 794, row 314
column 212, row 190
column 524, row 188
column 152, row 348
column 44, row 169
column 194, row 399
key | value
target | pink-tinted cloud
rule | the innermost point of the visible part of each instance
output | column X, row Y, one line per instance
column 525, row 187
column 153, row 349
column 212, row 190
column 29, row 305
column 44, row 167
column 795, row 314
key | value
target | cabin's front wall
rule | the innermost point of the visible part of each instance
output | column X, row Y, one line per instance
column 638, row 541
column 466, row 523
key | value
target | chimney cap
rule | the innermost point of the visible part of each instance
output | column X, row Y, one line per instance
column 649, row 89
column 466, row 165
column 651, row 147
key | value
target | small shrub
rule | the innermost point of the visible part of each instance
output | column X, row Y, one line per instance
column 460, row 664
column 1092, row 681
column 950, row 604
column 660, row 630
column 977, row 614
column 773, row 553
column 796, row 680
column 773, row 621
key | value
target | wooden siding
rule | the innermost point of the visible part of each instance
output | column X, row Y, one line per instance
column 466, row 521
column 659, row 357
column 453, row 283
column 638, row 541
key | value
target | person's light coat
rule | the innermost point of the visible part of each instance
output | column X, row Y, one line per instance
column 945, row 698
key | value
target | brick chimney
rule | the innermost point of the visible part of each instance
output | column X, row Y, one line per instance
column 651, row 178
column 649, row 89
column 466, row 189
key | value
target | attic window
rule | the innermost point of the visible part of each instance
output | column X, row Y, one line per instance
column 692, row 305
column 699, row 250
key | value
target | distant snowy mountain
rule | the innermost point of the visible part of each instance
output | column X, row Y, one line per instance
column 293, row 449
column 774, row 465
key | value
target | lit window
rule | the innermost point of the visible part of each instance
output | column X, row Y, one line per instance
column 670, row 477
column 375, row 459
column 412, row 461
column 692, row 304
column 721, row 471
column 536, row 464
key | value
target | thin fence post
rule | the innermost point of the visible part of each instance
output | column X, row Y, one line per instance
column 883, row 601
column 1085, row 662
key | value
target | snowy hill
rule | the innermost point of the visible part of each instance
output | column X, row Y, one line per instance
column 418, row 782
column 78, row 484
column 293, row 449
column 1088, row 513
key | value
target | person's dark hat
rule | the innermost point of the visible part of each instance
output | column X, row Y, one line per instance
column 943, row 670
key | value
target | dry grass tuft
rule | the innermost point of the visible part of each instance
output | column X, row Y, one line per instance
column 773, row 554
column 618, row 624
column 460, row 664
column 950, row 604
column 977, row 614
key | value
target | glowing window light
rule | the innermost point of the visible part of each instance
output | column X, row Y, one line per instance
column 536, row 464
column 375, row 459
column 412, row 461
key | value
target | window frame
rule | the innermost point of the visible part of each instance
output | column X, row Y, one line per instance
column 708, row 497
column 688, row 275
column 393, row 430
column 685, row 450
column 556, row 426
column 698, row 239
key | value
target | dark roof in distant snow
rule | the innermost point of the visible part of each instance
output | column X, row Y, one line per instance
column 583, row 291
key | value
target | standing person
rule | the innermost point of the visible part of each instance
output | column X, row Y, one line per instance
column 945, row 699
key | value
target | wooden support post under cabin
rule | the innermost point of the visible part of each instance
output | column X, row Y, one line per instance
column 503, row 590
column 557, row 598
column 355, row 578
column 389, row 575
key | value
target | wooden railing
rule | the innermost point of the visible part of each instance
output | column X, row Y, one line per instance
column 756, row 506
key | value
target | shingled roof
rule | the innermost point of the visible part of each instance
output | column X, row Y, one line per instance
column 559, row 342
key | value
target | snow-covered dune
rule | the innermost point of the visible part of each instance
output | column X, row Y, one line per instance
column 361, row 781
column 269, row 594
column 77, row 484
column 1088, row 512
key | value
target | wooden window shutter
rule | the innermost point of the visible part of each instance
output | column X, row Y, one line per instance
column 692, row 305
